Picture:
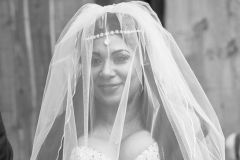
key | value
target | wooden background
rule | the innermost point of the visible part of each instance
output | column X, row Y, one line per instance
column 207, row 31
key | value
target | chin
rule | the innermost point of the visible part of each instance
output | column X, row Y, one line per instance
column 111, row 100
column 114, row 99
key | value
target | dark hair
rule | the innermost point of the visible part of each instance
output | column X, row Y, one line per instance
column 106, row 23
column 110, row 22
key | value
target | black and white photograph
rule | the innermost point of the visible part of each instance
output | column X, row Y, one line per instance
column 120, row 80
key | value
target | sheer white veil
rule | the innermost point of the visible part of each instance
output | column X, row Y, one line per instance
column 174, row 108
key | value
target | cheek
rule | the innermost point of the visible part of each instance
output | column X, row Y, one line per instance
column 135, row 82
column 123, row 73
column 95, row 71
column 95, row 75
column 136, row 78
column 123, row 70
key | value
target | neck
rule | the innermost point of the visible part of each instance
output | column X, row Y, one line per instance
column 107, row 113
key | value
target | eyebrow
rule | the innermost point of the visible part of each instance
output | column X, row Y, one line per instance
column 113, row 53
column 119, row 50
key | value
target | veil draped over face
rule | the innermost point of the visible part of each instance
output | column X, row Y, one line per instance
column 169, row 103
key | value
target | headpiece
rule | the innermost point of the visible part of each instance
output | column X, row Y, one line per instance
column 112, row 33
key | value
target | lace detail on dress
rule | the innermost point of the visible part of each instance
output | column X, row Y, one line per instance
column 151, row 153
column 85, row 153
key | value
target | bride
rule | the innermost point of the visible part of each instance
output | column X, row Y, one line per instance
column 119, row 88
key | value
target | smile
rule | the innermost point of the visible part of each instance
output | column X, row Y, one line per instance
column 109, row 87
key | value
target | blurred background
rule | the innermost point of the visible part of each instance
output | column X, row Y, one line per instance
column 207, row 32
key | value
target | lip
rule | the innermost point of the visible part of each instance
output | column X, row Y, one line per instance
column 109, row 87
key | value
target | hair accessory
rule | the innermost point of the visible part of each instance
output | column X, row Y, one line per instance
column 106, row 41
column 112, row 33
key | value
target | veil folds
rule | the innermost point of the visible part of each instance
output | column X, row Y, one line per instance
column 172, row 107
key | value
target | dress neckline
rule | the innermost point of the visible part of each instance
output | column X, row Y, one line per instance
column 104, row 157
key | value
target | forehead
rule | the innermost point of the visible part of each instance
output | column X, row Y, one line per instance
column 116, row 43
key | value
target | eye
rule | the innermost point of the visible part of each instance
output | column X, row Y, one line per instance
column 96, row 62
column 121, row 58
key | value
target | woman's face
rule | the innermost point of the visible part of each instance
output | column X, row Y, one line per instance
column 110, row 66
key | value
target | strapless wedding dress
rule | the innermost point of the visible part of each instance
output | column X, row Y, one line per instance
column 86, row 153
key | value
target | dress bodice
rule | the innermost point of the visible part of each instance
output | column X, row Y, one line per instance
column 86, row 153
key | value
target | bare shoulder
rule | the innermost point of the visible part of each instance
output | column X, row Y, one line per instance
column 135, row 144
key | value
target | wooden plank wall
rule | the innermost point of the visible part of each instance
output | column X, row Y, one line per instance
column 25, row 52
column 208, row 33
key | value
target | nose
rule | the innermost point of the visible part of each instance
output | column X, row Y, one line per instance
column 107, row 70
